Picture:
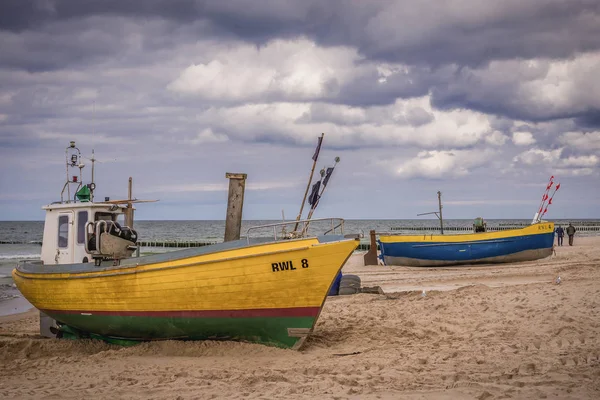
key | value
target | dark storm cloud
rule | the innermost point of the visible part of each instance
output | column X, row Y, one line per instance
column 445, row 46
column 426, row 32
column 590, row 119
column 21, row 15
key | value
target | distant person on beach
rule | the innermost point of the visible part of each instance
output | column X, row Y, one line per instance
column 560, row 234
column 571, row 233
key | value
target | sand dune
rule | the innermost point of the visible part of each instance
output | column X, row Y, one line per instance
column 485, row 332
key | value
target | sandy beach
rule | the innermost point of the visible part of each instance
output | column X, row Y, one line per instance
column 484, row 332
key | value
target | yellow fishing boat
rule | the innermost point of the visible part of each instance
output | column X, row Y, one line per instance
column 269, row 292
column 262, row 290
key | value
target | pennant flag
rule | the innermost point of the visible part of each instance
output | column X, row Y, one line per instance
column 314, row 195
column 557, row 187
column 546, row 210
column 327, row 175
column 316, row 155
column 550, row 201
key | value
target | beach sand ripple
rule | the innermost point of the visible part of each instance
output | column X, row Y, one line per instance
column 478, row 332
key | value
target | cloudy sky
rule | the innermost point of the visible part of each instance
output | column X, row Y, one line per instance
column 482, row 100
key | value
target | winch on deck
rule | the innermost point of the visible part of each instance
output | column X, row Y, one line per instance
column 106, row 239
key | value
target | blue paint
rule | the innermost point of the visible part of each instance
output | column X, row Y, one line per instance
column 335, row 288
column 467, row 251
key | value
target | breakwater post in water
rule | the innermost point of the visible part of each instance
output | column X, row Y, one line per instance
column 235, row 205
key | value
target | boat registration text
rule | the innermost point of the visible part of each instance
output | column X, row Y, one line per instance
column 287, row 265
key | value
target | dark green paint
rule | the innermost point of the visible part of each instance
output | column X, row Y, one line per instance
column 271, row 331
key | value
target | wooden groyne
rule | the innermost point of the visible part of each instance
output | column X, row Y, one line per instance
column 20, row 242
column 143, row 243
column 180, row 244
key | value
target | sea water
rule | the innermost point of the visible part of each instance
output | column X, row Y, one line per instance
column 27, row 235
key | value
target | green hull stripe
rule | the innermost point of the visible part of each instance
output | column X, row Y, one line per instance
column 266, row 330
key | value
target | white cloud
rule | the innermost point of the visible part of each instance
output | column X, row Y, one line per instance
column 581, row 140
column 208, row 136
column 575, row 171
column 496, row 138
column 572, row 165
column 440, row 164
column 374, row 126
column 522, row 138
column 539, row 88
column 287, row 69
column 538, row 156
column 580, row 161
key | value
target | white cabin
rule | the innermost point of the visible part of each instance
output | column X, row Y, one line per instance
column 78, row 230
column 64, row 240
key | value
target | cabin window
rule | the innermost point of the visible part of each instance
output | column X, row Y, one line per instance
column 63, row 231
column 82, row 218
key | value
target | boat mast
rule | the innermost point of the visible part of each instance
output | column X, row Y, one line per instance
column 440, row 205
column 437, row 213
column 312, row 171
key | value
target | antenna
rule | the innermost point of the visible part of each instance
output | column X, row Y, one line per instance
column 92, row 185
column 94, row 160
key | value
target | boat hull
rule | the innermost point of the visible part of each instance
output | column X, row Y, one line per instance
column 269, row 293
column 279, row 327
column 526, row 244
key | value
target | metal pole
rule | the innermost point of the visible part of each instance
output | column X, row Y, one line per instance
column 93, row 186
column 235, row 204
column 129, row 213
column 441, row 218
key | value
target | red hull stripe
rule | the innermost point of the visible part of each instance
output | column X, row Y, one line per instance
column 266, row 312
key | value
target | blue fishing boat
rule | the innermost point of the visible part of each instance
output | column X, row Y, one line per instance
column 525, row 244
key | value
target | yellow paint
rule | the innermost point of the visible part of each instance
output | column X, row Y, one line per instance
column 535, row 229
column 227, row 280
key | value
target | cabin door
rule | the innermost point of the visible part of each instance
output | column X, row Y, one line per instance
column 65, row 239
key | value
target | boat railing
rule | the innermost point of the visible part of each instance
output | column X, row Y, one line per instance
column 301, row 229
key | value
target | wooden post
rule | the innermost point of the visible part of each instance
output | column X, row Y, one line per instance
column 235, row 205
column 441, row 218
column 371, row 255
